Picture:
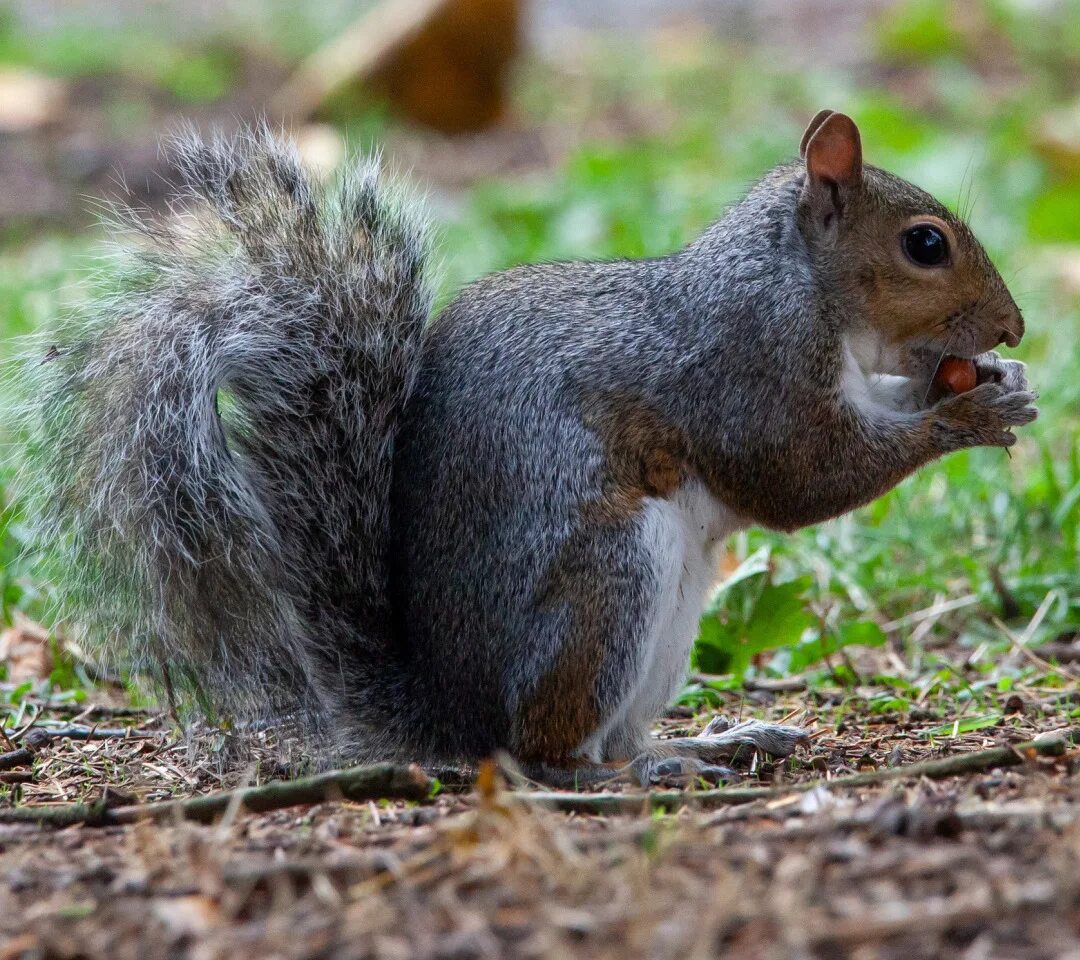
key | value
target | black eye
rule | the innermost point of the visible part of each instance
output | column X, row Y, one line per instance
column 925, row 245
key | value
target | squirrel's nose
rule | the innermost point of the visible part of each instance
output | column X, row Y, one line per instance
column 1012, row 329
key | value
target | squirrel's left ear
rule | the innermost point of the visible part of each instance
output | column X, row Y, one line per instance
column 832, row 151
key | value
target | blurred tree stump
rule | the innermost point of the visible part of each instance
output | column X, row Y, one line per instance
column 442, row 63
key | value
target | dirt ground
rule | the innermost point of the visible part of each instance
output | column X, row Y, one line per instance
column 977, row 866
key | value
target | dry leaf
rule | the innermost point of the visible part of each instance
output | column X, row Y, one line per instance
column 321, row 148
column 26, row 945
column 1064, row 263
column 187, row 916
column 25, row 649
column 1058, row 139
column 29, row 100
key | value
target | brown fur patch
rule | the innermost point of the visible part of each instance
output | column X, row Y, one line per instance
column 645, row 454
column 644, row 457
column 663, row 473
column 562, row 710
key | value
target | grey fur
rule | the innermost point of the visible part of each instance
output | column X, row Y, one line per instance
column 241, row 549
column 420, row 615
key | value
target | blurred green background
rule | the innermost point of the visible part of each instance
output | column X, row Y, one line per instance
column 623, row 135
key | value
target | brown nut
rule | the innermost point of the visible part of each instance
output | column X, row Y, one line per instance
column 956, row 375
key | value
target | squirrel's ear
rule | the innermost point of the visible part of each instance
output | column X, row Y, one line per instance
column 833, row 149
column 811, row 128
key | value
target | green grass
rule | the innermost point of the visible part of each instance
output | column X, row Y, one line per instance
column 148, row 57
column 999, row 534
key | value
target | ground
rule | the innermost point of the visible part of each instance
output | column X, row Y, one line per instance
column 978, row 865
column 939, row 622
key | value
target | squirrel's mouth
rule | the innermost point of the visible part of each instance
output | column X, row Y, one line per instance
column 967, row 340
column 906, row 370
column 917, row 363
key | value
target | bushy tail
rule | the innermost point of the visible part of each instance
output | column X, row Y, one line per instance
column 212, row 448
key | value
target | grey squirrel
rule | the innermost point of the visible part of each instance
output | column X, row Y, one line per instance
column 280, row 485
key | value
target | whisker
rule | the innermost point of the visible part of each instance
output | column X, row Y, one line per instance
column 937, row 366
column 967, row 182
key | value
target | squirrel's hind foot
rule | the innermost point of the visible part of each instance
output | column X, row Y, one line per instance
column 685, row 759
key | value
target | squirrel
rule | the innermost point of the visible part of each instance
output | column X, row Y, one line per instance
column 283, row 487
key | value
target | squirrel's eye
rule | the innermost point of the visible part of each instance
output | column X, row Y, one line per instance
column 925, row 245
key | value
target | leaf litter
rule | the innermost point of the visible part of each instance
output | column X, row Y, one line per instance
column 982, row 865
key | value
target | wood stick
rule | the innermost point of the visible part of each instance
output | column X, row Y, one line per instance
column 356, row 52
column 957, row 765
column 1061, row 651
column 77, row 732
column 764, row 684
column 959, row 910
column 16, row 758
column 57, row 814
column 382, row 781
column 39, row 737
column 388, row 781
column 775, row 685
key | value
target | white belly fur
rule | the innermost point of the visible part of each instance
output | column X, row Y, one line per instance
column 683, row 535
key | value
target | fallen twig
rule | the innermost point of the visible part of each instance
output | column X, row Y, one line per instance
column 936, row 611
column 93, row 733
column 1060, row 650
column 962, row 763
column 377, row 782
column 58, row 814
column 39, row 737
column 388, row 781
column 1020, row 644
column 775, row 685
column 123, row 710
column 984, row 817
column 16, row 758
column 961, row 910
column 763, row 684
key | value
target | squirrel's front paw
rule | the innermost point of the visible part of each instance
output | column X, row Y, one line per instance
column 984, row 417
column 1011, row 374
